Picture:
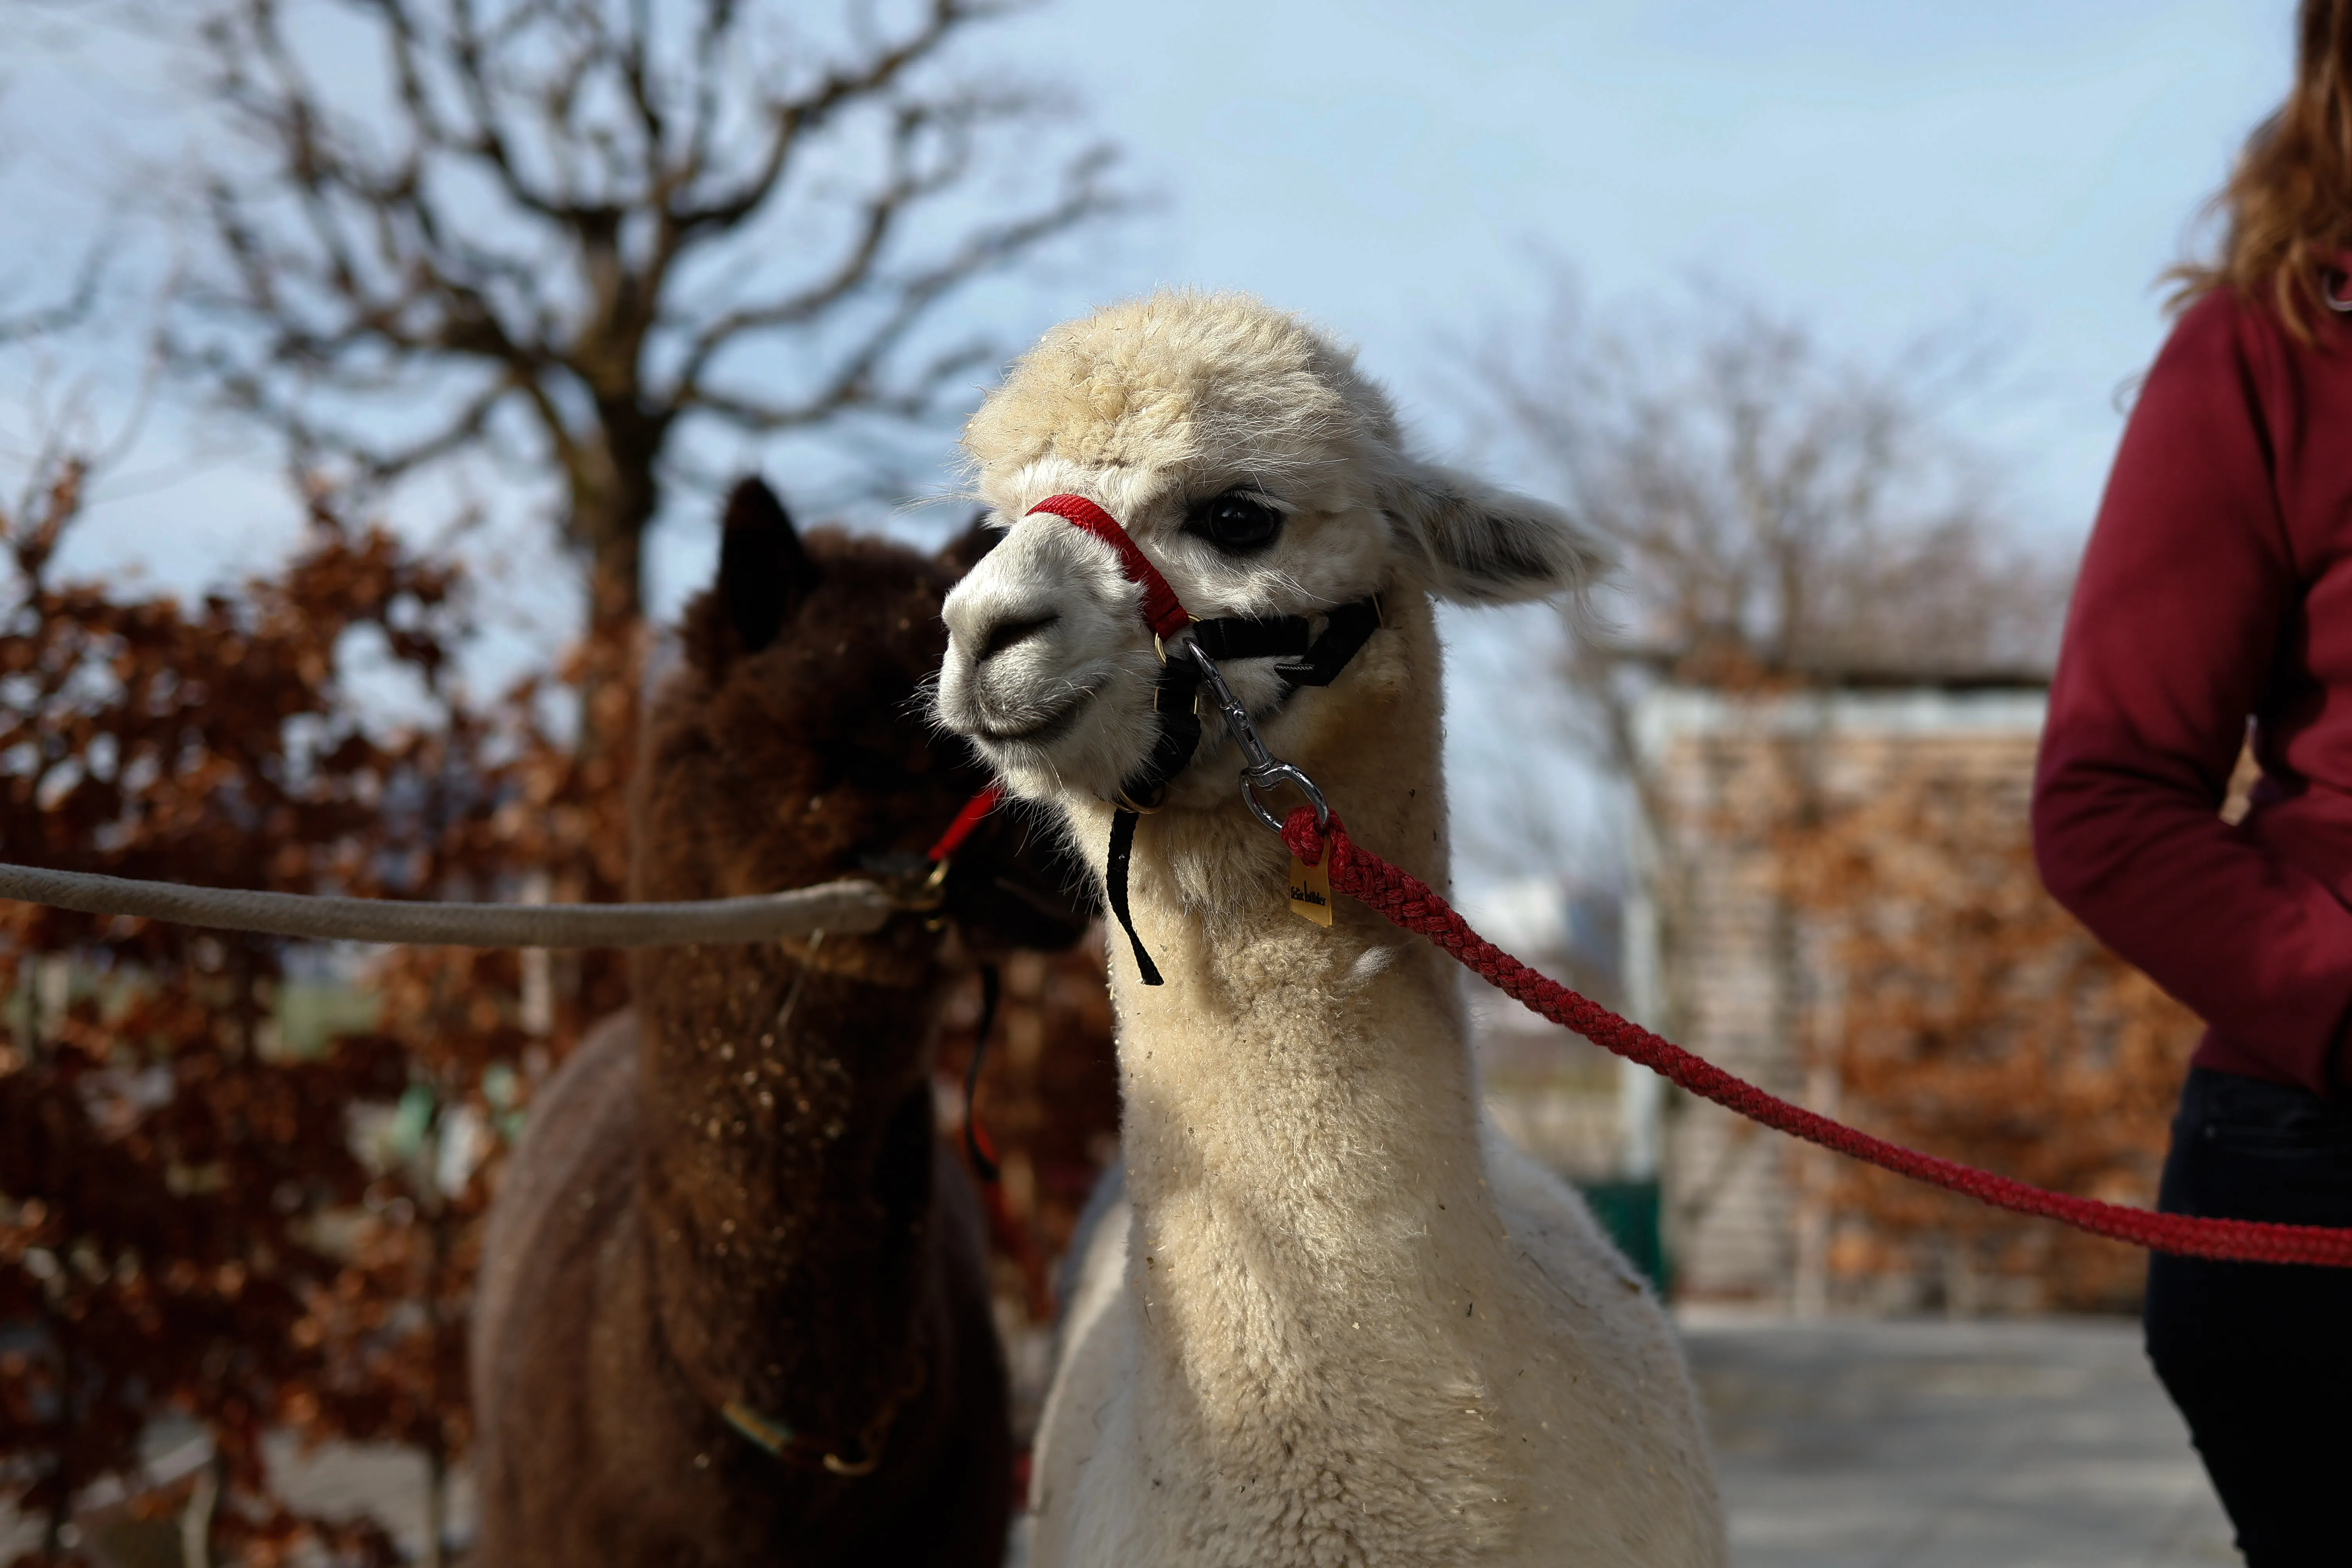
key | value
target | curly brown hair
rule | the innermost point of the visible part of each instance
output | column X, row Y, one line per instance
column 2289, row 200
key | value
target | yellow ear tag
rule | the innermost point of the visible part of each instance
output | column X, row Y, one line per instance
column 1310, row 888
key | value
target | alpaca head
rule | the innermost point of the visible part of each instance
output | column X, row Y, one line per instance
column 1258, row 470
column 794, row 748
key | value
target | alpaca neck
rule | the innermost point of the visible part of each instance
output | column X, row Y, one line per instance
column 788, row 1179
column 1291, row 1086
column 1301, row 1134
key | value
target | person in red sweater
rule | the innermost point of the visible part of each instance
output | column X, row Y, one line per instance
column 2214, row 610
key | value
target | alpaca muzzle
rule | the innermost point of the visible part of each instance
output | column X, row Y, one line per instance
column 1189, row 673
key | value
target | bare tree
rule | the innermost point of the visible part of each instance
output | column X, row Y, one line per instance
column 1781, row 517
column 1784, row 519
column 564, row 228
column 24, row 324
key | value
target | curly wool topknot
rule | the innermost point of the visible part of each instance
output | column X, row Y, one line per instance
column 1156, row 382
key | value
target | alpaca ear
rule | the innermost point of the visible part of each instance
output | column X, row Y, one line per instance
column 763, row 572
column 962, row 553
column 1486, row 545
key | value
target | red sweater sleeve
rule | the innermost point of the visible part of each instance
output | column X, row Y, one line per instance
column 2175, row 627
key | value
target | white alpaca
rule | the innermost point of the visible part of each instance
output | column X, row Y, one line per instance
column 1339, row 1320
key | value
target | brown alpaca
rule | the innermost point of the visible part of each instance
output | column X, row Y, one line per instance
column 732, row 1198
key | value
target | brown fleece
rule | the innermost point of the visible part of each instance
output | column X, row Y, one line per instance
column 717, row 1200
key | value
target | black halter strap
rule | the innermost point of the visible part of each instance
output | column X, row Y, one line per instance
column 1306, row 660
column 1122, row 851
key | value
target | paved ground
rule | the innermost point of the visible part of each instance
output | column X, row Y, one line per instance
column 2043, row 1444
column 1846, row 1444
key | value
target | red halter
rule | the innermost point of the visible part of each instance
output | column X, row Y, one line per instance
column 1165, row 613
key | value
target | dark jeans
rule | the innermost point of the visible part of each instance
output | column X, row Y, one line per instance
column 2258, row 1356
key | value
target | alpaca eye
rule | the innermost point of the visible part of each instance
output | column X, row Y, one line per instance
column 1237, row 523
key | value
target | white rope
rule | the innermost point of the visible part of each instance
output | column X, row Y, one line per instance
column 849, row 907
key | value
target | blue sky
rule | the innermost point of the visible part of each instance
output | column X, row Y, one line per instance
column 2019, row 171
column 1390, row 169
column 1884, row 169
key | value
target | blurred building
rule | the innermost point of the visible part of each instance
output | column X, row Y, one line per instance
column 1837, row 902
column 1551, row 1092
column 1559, row 1098
column 1730, row 969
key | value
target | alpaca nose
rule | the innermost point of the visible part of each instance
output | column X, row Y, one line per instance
column 1010, row 632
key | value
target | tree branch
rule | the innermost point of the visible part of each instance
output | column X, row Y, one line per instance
column 914, row 295
column 791, row 118
column 361, row 264
column 44, row 321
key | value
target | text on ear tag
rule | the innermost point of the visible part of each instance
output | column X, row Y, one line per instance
column 1310, row 888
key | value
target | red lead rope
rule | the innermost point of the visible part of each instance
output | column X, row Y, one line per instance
column 967, row 819
column 1408, row 903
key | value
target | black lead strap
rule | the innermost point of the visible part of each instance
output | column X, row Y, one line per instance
column 1308, row 660
column 1122, row 849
